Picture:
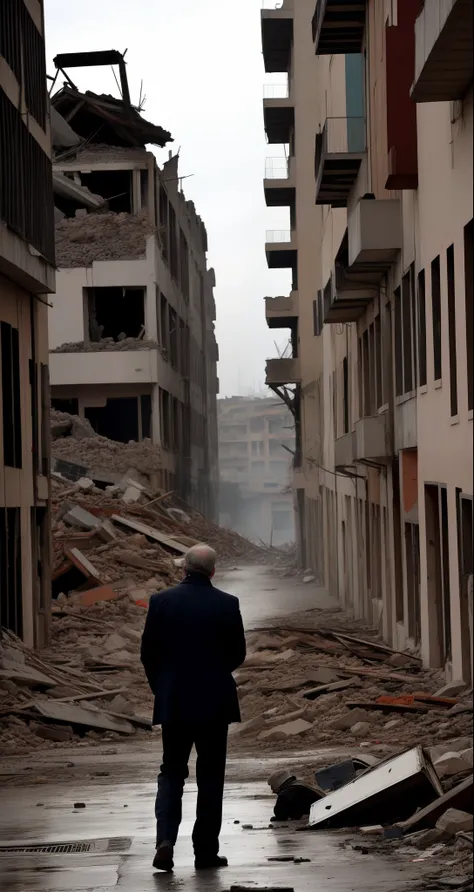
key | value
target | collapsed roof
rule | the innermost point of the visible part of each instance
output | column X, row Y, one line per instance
column 100, row 118
column 104, row 119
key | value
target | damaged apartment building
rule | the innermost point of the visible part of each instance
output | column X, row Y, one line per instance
column 131, row 332
column 373, row 132
column 26, row 279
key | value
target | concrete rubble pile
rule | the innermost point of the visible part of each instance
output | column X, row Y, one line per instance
column 103, row 235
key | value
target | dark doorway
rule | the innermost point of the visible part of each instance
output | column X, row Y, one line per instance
column 412, row 551
column 69, row 406
column 114, row 185
column 11, row 604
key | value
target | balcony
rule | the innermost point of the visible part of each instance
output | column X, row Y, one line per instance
column 281, row 250
column 406, row 424
column 277, row 34
column 344, row 451
column 374, row 235
column 345, row 299
column 338, row 26
column 278, row 113
column 282, row 371
column 280, row 182
column 282, row 312
column 104, row 367
column 372, row 440
column 339, row 152
column 443, row 51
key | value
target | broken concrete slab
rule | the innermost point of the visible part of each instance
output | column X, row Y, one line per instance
column 459, row 797
column 131, row 495
column 79, row 517
column 255, row 724
column 80, row 717
column 387, row 792
column 323, row 676
column 346, row 721
column 457, row 745
column 452, row 689
column 151, row 533
column 52, row 732
column 113, row 643
column 454, row 821
column 26, row 677
column 107, row 531
column 453, row 763
column 289, row 729
column 330, row 688
column 79, row 560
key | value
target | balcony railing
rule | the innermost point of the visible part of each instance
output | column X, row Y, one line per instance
column 276, row 236
column 341, row 140
column 276, row 91
column 277, row 169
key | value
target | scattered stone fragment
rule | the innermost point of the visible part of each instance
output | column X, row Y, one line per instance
column 454, row 820
column 452, row 689
column 79, row 805
column 346, row 721
column 361, row 729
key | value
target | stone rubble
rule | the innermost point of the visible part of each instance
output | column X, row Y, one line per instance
column 103, row 235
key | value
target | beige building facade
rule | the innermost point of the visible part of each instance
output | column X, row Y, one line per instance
column 256, row 453
column 132, row 335
column 382, row 331
column 26, row 278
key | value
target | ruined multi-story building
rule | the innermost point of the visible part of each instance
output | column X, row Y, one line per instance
column 256, row 452
column 26, row 278
column 132, row 339
column 375, row 124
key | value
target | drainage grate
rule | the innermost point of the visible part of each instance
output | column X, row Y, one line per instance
column 91, row 846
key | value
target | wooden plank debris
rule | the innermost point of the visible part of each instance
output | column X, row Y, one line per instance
column 151, row 533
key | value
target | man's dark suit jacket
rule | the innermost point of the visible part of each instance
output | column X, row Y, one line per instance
column 192, row 642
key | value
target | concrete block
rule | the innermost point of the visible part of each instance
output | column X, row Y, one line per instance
column 452, row 689
column 454, row 820
column 290, row 729
column 392, row 724
column 131, row 495
column 52, row 732
column 346, row 721
column 323, row 676
column 84, row 520
column 361, row 729
column 453, row 763
column 114, row 643
column 453, row 746
column 107, row 531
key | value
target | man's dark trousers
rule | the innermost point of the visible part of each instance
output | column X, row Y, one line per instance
column 210, row 741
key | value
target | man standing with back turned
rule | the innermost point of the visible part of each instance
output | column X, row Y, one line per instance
column 192, row 642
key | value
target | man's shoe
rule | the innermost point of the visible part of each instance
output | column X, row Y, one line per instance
column 163, row 859
column 210, row 863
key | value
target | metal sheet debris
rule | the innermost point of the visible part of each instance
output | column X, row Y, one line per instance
column 390, row 792
column 151, row 533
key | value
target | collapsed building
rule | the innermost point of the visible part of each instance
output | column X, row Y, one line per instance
column 131, row 332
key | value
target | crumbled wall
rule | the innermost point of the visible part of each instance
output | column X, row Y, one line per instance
column 101, row 236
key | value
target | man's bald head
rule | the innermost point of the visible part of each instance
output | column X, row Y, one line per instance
column 200, row 559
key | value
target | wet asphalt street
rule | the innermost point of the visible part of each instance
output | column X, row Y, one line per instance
column 115, row 831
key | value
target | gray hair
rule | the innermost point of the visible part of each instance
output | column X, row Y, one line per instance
column 200, row 559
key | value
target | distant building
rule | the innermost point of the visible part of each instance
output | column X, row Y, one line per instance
column 26, row 278
column 256, row 449
column 132, row 327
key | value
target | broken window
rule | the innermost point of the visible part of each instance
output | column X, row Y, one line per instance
column 113, row 185
column 117, row 420
column 11, row 611
column 116, row 313
column 145, row 417
column 10, row 368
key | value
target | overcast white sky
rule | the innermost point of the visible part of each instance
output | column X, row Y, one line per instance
column 201, row 64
